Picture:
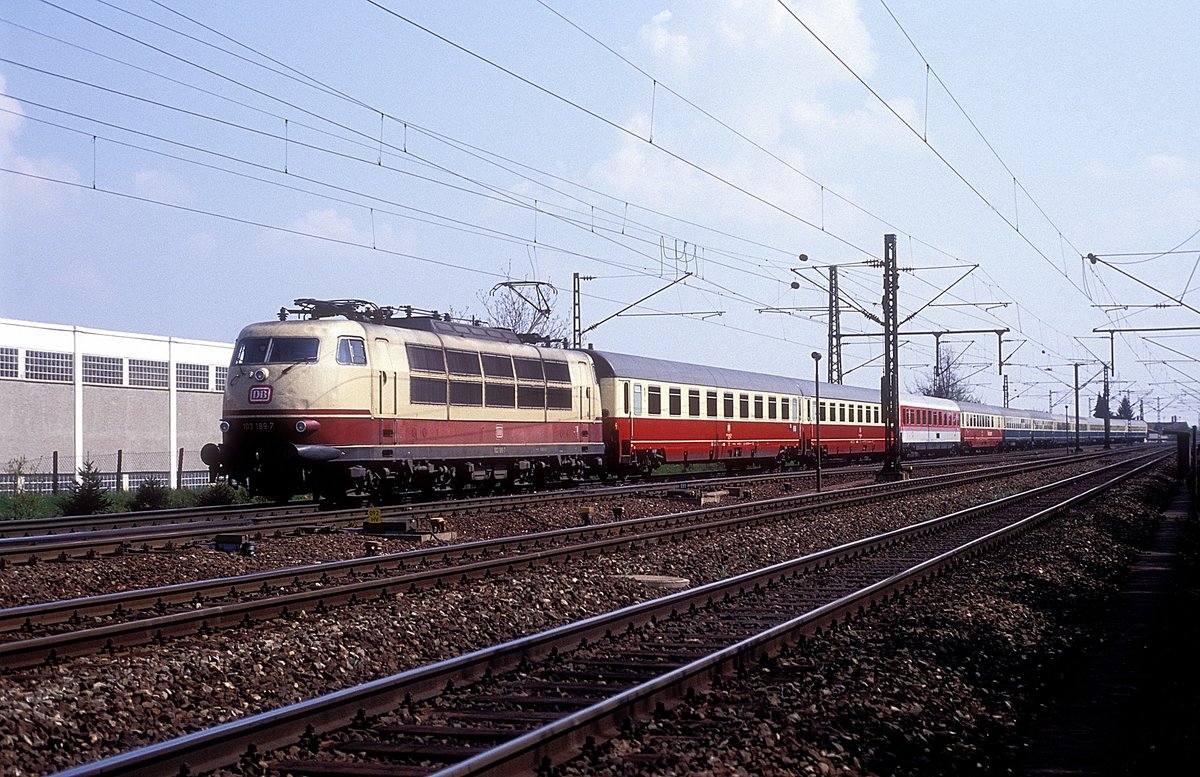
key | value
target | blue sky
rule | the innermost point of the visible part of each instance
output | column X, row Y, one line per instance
column 246, row 154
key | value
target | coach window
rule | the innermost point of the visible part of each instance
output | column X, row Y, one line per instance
column 758, row 406
column 727, row 402
column 841, row 411
column 625, row 397
column 785, row 404
column 860, row 413
column 675, row 401
column 710, row 399
column 637, row 398
column 693, row 402
column 771, row 403
column 743, row 405
column 351, row 350
column 529, row 369
column 654, row 400
column 425, row 358
column 876, row 415
column 497, row 366
column 462, row 363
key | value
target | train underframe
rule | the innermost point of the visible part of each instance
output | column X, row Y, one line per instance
column 279, row 471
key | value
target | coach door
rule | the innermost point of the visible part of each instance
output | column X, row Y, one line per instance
column 385, row 393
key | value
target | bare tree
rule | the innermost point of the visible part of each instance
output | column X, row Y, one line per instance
column 945, row 380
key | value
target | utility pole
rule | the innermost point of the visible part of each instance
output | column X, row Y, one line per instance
column 890, row 381
column 576, row 322
column 1107, row 411
column 835, row 329
column 1077, row 448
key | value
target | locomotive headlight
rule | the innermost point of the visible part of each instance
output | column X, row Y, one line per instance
column 261, row 374
column 307, row 426
column 224, row 426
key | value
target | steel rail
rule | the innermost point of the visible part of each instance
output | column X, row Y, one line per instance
column 597, row 539
column 221, row 745
column 35, row 529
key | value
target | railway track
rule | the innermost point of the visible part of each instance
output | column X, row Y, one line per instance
column 86, row 537
column 49, row 631
column 515, row 707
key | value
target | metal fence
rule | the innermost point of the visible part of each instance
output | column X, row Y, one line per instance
column 119, row 471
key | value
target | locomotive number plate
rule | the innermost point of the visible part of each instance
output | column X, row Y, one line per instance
column 257, row 426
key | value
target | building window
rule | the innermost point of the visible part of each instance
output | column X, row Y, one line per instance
column 675, row 401
column 49, row 365
column 693, row 402
column 654, row 400
column 8, row 362
column 103, row 370
column 221, row 378
column 191, row 376
column 145, row 372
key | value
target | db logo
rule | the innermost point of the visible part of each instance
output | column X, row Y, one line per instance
column 260, row 395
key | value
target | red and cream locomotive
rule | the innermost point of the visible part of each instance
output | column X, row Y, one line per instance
column 351, row 398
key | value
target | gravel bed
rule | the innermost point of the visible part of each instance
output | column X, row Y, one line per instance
column 954, row 680
column 93, row 706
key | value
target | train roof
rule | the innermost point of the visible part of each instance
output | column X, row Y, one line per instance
column 621, row 365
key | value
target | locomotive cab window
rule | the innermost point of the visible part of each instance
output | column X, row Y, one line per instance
column 276, row 350
column 351, row 350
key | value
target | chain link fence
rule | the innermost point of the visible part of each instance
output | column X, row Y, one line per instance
column 119, row 471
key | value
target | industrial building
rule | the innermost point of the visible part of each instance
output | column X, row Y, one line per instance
column 136, row 405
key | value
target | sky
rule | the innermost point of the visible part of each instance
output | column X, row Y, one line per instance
column 186, row 167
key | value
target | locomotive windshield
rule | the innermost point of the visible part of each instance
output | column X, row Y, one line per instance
column 276, row 350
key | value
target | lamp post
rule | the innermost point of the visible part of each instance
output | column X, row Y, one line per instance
column 816, row 357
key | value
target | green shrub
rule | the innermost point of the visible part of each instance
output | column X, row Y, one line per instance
column 27, row 505
column 151, row 495
column 219, row 493
column 88, row 496
column 183, row 498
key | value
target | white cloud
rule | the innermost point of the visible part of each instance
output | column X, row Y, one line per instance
column 162, row 186
column 26, row 193
column 673, row 48
column 1167, row 167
